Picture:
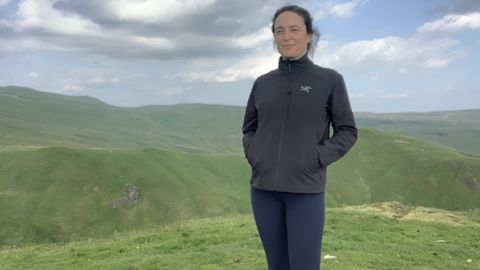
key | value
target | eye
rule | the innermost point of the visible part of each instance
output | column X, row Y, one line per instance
column 279, row 31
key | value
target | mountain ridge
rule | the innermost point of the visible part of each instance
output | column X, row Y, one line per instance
column 92, row 123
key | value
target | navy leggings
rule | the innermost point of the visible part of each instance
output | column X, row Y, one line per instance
column 290, row 227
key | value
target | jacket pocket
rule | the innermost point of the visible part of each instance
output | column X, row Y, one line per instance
column 249, row 151
column 307, row 167
column 307, row 160
column 314, row 163
column 319, row 159
column 320, row 141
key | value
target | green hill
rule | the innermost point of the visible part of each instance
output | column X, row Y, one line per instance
column 60, row 194
column 385, row 167
column 88, row 169
column 32, row 119
column 456, row 129
column 360, row 238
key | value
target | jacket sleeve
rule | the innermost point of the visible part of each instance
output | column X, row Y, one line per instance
column 344, row 130
column 250, row 121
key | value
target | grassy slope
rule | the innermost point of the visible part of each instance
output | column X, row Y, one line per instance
column 57, row 194
column 384, row 167
column 29, row 118
column 361, row 238
column 456, row 129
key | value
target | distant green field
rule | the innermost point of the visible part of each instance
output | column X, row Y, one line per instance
column 455, row 129
column 360, row 238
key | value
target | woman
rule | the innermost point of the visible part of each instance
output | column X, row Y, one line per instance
column 286, row 138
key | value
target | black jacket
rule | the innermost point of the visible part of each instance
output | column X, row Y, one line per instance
column 286, row 129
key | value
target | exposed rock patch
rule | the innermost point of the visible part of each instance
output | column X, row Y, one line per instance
column 398, row 209
column 131, row 197
column 470, row 182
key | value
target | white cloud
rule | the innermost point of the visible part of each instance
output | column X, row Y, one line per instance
column 70, row 28
column 411, row 53
column 395, row 96
column 68, row 88
column 143, row 29
column 436, row 63
column 260, row 36
column 39, row 14
column 153, row 10
column 153, row 42
column 5, row 23
column 168, row 91
column 320, row 14
column 347, row 9
column 248, row 68
column 453, row 23
column 339, row 10
column 399, row 54
column 103, row 79
column 78, row 79
column 173, row 91
column 4, row 2
column 357, row 95
column 33, row 75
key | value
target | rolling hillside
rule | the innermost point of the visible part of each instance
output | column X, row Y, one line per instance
column 455, row 129
column 88, row 169
column 31, row 119
column 60, row 194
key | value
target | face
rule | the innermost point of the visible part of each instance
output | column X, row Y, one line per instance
column 291, row 35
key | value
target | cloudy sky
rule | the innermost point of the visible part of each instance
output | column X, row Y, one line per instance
column 396, row 56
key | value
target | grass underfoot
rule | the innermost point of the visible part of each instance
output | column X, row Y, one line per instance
column 367, row 237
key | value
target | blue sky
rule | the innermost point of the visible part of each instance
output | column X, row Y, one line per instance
column 396, row 56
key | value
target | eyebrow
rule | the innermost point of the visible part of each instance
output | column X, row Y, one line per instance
column 283, row 27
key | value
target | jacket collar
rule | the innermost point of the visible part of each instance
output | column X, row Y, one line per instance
column 289, row 65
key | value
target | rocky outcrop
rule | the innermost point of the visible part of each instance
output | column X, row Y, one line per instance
column 131, row 197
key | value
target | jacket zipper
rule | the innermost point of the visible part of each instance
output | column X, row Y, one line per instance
column 282, row 131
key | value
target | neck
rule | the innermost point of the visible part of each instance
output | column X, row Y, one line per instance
column 294, row 58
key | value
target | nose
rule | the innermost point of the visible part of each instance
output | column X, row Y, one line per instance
column 286, row 35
